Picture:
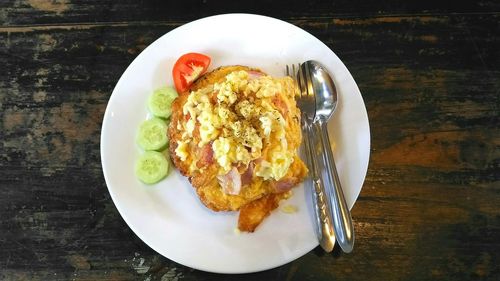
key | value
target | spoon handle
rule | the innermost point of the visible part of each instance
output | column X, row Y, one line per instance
column 324, row 228
column 342, row 221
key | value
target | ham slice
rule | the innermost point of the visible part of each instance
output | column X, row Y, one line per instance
column 254, row 74
column 246, row 177
column 206, row 156
column 280, row 105
column 284, row 185
column 231, row 182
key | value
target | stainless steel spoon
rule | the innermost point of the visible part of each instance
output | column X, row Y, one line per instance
column 326, row 103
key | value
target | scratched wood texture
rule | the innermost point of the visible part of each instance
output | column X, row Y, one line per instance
column 429, row 73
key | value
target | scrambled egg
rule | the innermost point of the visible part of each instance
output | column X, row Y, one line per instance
column 289, row 209
column 240, row 120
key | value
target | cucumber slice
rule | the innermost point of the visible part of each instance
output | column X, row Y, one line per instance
column 153, row 134
column 151, row 167
column 160, row 102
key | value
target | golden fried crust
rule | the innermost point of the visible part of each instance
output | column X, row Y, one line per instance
column 174, row 135
column 212, row 196
column 218, row 75
column 253, row 213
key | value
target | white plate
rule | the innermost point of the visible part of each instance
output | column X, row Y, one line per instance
column 168, row 216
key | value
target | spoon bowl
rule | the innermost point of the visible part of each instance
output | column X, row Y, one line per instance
column 324, row 89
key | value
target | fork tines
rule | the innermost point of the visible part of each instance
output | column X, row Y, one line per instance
column 290, row 71
column 293, row 72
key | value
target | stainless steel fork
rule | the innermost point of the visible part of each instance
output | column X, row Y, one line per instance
column 307, row 105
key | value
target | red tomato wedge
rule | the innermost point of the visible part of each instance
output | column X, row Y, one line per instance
column 188, row 68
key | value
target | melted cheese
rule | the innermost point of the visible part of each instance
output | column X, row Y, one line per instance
column 289, row 209
column 182, row 150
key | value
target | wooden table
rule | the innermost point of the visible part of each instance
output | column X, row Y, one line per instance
column 429, row 72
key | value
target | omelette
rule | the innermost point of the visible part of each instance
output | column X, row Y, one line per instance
column 235, row 134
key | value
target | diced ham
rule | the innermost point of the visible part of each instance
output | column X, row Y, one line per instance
column 284, row 185
column 196, row 131
column 234, row 181
column 231, row 182
column 246, row 177
column 254, row 74
column 280, row 104
column 206, row 156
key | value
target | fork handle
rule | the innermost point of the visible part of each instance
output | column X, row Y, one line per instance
column 324, row 227
column 342, row 221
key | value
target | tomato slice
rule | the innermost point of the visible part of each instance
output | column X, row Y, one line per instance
column 188, row 68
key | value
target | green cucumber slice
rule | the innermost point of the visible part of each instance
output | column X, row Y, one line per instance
column 160, row 102
column 153, row 134
column 151, row 167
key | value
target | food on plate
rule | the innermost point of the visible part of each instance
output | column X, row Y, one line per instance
column 188, row 68
column 160, row 102
column 152, row 134
column 289, row 209
column 235, row 132
column 151, row 167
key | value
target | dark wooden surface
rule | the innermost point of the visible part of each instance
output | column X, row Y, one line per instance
column 429, row 72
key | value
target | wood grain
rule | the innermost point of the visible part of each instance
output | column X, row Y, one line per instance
column 28, row 12
column 430, row 78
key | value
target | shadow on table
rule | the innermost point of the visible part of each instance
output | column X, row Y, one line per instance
column 336, row 253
